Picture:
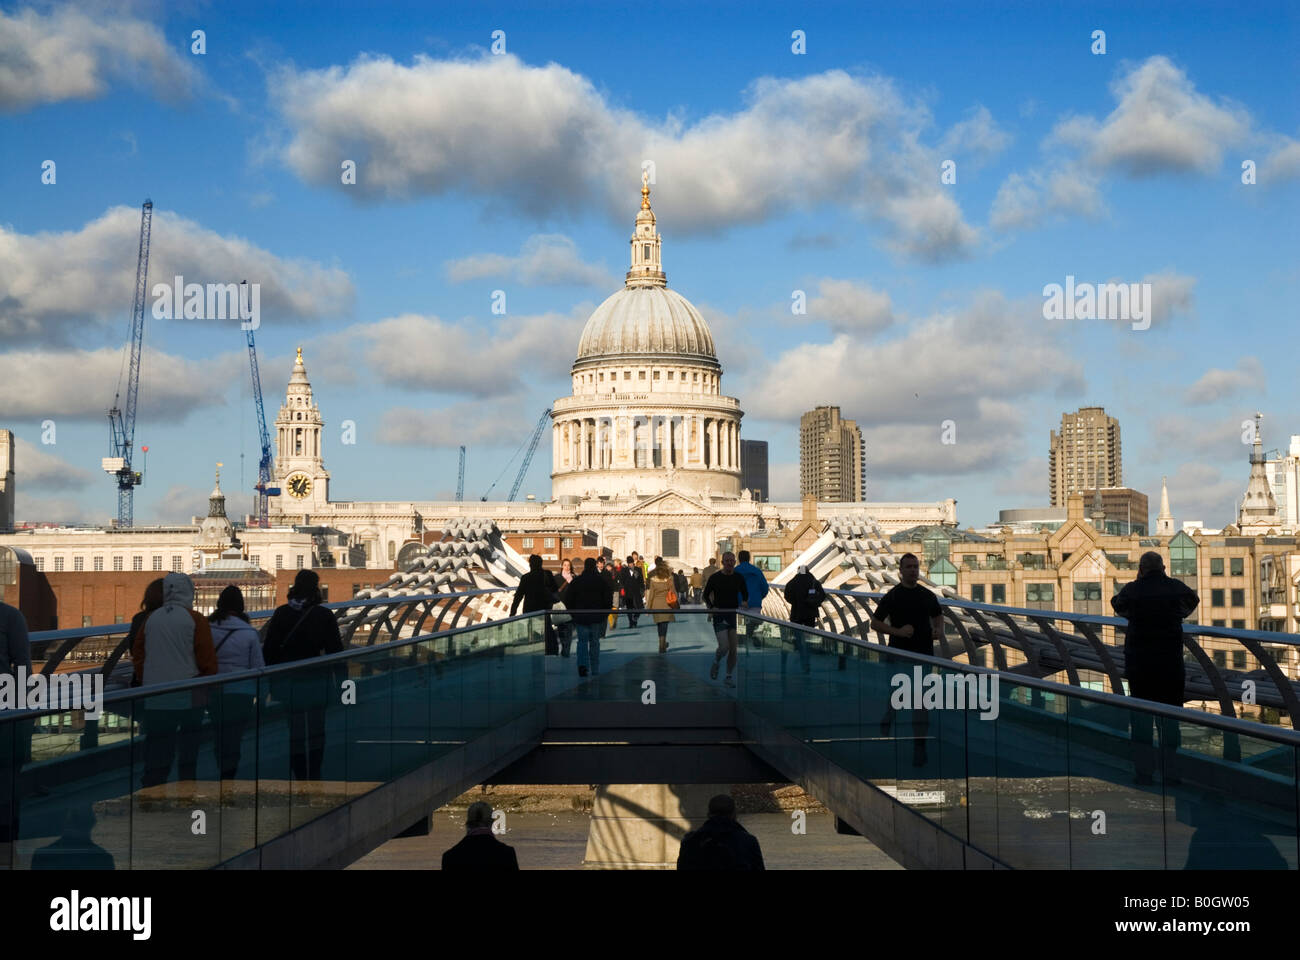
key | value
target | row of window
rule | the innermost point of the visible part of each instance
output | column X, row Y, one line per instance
column 627, row 375
column 1237, row 566
column 1238, row 598
column 97, row 563
column 548, row 543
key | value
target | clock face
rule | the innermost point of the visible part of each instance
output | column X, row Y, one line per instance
column 299, row 485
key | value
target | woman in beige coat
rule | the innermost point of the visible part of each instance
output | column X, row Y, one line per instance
column 657, row 589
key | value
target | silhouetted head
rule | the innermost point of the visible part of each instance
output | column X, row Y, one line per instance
column 306, row 586
column 744, row 556
column 1150, row 562
column 722, row 805
column 589, row 565
column 479, row 815
column 534, row 562
column 728, row 562
column 153, row 596
column 229, row 604
column 909, row 569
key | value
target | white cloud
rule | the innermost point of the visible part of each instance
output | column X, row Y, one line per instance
column 544, row 141
column 1218, row 384
column 181, row 504
column 419, row 352
column 1200, row 491
column 977, row 137
column 55, row 285
column 38, row 469
column 850, row 307
column 1026, row 480
column 476, row 423
column 80, row 384
column 545, row 259
column 1025, row 200
column 1282, row 162
column 33, row 509
column 975, row 367
column 66, row 54
column 783, row 478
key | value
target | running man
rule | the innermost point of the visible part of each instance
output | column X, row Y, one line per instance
column 724, row 592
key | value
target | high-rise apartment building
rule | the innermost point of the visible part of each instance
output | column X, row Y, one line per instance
column 1085, row 455
column 832, row 458
column 753, row 469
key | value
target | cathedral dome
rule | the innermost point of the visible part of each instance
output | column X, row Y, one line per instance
column 646, row 321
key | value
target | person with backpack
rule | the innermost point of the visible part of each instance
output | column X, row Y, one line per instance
column 805, row 595
column 537, row 590
column 238, row 648
column 300, row 630
column 174, row 644
column 588, row 593
column 722, row 843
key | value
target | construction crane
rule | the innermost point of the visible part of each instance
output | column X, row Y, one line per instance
column 528, row 458
column 460, row 479
column 264, row 465
column 121, row 423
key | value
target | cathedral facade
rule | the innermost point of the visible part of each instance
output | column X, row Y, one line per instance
column 645, row 452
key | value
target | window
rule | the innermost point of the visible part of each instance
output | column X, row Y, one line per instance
column 256, row 559
column 1087, row 597
column 78, row 563
column 977, row 592
column 1216, row 598
column 300, row 561
column 1239, row 624
column 1220, row 656
column 567, row 543
column 1182, row 555
column 1216, row 566
column 670, row 374
column 548, row 543
column 58, row 564
column 1238, row 598
column 325, row 592
column 279, row 561
column 1238, row 566
column 1239, row 659
column 999, row 593
column 98, row 563
column 627, row 374
column 356, row 588
column 157, row 563
column 640, row 374
column 1218, row 623
column 120, row 618
column 178, row 563
column 117, row 563
column 87, row 620
column 526, row 543
column 670, row 544
column 1040, row 596
column 656, row 374
column 392, row 552
column 645, row 251
column 137, row 563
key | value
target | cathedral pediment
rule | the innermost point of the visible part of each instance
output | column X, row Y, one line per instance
column 670, row 502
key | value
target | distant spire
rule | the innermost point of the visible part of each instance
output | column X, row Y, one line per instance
column 645, row 189
column 1164, row 522
column 1258, row 509
column 646, row 268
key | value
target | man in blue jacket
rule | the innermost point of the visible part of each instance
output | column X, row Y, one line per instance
column 756, row 584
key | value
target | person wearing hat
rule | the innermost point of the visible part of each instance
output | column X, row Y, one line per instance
column 479, row 850
column 238, row 648
column 299, row 630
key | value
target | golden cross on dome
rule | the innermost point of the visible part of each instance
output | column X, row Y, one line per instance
column 645, row 189
column 300, row 354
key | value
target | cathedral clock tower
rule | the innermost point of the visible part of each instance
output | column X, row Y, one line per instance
column 299, row 470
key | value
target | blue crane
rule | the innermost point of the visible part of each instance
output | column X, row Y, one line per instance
column 528, row 459
column 265, row 465
column 121, row 423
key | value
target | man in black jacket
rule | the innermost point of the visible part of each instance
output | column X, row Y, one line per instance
column 805, row 595
column 537, row 590
column 632, row 580
column 587, row 593
column 1155, row 605
column 479, row 850
column 723, row 592
column 722, row 843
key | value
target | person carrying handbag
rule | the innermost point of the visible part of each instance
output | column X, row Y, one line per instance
column 300, row 630
column 661, row 594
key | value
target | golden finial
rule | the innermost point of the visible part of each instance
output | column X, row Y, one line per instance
column 300, row 354
column 219, row 466
column 645, row 189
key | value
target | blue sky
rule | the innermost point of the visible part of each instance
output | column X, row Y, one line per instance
column 775, row 172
